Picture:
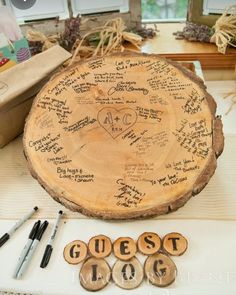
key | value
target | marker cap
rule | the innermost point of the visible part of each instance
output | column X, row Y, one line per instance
column 4, row 238
column 34, row 230
column 41, row 230
column 46, row 256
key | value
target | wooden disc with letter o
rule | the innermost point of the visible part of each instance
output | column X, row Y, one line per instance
column 160, row 270
column 123, row 136
column 175, row 244
column 75, row 252
column 95, row 274
column 149, row 243
column 124, row 248
column 100, row 246
column 128, row 274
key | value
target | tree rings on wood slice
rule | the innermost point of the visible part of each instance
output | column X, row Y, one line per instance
column 127, row 274
column 100, row 246
column 160, row 270
column 95, row 274
column 75, row 252
column 123, row 136
column 175, row 244
column 124, row 248
column 149, row 243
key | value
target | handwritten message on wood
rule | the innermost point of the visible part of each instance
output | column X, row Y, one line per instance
column 123, row 136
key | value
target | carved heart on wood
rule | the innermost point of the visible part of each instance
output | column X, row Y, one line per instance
column 115, row 122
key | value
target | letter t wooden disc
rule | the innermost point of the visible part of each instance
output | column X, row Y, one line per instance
column 175, row 244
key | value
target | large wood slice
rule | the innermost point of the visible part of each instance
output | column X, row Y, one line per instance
column 124, row 136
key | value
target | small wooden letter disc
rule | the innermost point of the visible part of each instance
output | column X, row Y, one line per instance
column 160, row 270
column 95, row 274
column 100, row 246
column 149, row 243
column 175, row 244
column 75, row 252
column 124, row 248
column 128, row 274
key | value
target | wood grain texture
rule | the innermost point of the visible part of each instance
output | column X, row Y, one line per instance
column 106, row 142
column 217, row 201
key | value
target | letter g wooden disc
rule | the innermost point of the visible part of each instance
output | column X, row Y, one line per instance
column 75, row 252
column 95, row 274
column 160, row 270
column 128, row 274
column 149, row 243
column 124, row 248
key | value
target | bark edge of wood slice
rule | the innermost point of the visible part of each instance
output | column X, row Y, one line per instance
column 41, row 117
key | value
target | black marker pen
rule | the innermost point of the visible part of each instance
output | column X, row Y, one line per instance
column 49, row 248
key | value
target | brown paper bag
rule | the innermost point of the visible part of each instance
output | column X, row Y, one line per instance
column 20, row 84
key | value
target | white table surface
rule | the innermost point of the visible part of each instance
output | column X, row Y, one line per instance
column 208, row 266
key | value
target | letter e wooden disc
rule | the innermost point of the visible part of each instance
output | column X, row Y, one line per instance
column 124, row 248
column 95, row 274
column 75, row 252
column 175, row 244
column 100, row 246
column 160, row 270
column 149, row 243
column 128, row 274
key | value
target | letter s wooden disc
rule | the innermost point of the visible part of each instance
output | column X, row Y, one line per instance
column 149, row 243
column 123, row 136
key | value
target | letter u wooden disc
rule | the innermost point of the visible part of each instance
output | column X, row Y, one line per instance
column 149, row 243
column 100, row 246
column 123, row 136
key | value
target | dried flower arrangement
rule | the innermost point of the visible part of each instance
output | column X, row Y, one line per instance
column 223, row 33
column 97, row 42
column 103, row 40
